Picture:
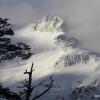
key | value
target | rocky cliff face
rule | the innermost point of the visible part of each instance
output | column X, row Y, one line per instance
column 48, row 23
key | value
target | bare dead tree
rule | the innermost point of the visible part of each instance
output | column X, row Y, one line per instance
column 29, row 83
column 29, row 87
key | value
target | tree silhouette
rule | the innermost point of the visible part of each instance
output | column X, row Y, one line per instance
column 8, row 50
column 28, row 87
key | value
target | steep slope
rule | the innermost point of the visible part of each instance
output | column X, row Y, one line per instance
column 55, row 54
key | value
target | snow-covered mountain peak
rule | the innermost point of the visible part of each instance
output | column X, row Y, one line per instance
column 48, row 24
column 54, row 53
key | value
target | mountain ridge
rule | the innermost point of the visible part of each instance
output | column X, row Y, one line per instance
column 56, row 54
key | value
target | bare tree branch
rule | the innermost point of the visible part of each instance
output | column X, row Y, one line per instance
column 49, row 86
column 29, row 88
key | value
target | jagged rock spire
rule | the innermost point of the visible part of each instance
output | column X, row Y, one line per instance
column 48, row 23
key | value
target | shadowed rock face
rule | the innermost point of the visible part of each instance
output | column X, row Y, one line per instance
column 65, row 42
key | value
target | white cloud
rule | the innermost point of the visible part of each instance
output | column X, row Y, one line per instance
column 82, row 16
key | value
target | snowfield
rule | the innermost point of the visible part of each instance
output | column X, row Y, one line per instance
column 54, row 54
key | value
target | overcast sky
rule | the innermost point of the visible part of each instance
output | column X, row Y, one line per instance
column 82, row 16
column 25, row 11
